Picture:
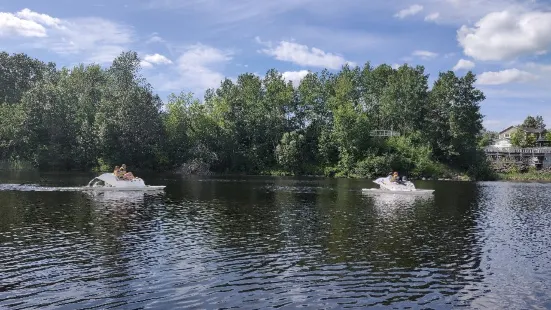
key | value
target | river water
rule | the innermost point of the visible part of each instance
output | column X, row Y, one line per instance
column 261, row 242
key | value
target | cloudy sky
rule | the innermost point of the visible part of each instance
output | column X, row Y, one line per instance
column 191, row 45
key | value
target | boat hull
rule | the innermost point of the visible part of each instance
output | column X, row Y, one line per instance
column 109, row 182
column 406, row 188
column 385, row 191
column 106, row 188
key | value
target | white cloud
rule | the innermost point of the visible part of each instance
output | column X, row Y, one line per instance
column 295, row 76
column 155, row 38
column 43, row 19
column 424, row 54
column 145, row 64
column 538, row 67
column 197, row 69
column 154, row 59
column 463, row 64
column 157, row 59
column 94, row 39
column 302, row 55
column 460, row 12
column 505, row 77
column 507, row 35
column 410, row 11
column 11, row 25
column 432, row 16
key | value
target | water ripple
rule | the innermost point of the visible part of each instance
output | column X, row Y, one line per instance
column 288, row 243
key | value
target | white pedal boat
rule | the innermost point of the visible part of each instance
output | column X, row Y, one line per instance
column 109, row 182
column 405, row 187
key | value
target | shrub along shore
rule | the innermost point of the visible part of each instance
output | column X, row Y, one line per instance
column 89, row 117
column 542, row 176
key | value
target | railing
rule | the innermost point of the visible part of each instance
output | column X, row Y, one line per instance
column 521, row 150
column 384, row 133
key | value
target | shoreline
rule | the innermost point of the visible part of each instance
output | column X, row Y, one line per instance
column 526, row 176
column 531, row 176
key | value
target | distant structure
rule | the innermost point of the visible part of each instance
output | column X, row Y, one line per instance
column 384, row 133
column 504, row 136
column 502, row 150
column 538, row 157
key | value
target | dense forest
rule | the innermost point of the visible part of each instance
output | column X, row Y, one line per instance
column 90, row 117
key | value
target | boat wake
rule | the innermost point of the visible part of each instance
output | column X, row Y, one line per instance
column 37, row 188
column 387, row 186
column 104, row 182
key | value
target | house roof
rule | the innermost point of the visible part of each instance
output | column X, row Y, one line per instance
column 504, row 130
column 530, row 130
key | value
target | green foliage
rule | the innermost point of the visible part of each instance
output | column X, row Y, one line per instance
column 526, row 176
column 289, row 151
column 80, row 118
column 520, row 138
column 487, row 138
column 534, row 122
column 19, row 73
column 530, row 140
column 11, row 118
column 88, row 117
column 481, row 168
column 373, row 166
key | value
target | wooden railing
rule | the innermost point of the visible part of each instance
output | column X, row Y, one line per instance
column 518, row 150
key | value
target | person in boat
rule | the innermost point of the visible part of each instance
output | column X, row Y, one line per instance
column 125, row 175
column 117, row 172
column 395, row 178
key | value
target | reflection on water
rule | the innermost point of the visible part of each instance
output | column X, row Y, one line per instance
column 115, row 197
column 391, row 204
column 270, row 242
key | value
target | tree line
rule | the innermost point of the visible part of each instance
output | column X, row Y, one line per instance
column 88, row 117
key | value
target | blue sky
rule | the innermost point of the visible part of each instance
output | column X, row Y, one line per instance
column 191, row 45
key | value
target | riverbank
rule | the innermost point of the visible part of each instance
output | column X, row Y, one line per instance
column 541, row 176
column 442, row 177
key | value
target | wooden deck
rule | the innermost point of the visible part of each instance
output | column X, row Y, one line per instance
column 535, row 156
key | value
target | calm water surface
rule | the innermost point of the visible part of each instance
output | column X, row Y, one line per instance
column 258, row 242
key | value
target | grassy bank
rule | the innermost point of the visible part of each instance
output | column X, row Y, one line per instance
column 544, row 176
column 445, row 175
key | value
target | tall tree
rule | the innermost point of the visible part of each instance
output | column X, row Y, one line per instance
column 534, row 122
column 404, row 99
column 129, row 120
column 18, row 74
column 466, row 120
